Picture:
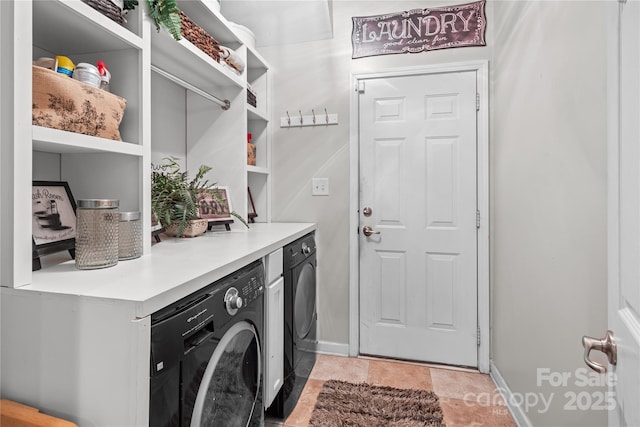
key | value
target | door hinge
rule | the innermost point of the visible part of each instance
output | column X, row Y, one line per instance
column 360, row 86
column 478, row 335
column 477, row 102
column 477, row 219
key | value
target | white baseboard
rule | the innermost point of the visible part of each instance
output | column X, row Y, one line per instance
column 518, row 414
column 333, row 348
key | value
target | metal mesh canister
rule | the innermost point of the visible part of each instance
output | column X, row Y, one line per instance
column 97, row 233
column 129, row 236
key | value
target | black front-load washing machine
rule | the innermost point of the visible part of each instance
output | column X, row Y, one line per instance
column 206, row 366
column 300, row 322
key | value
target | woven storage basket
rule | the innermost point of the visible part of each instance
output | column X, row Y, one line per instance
column 60, row 102
column 200, row 38
column 108, row 9
column 195, row 228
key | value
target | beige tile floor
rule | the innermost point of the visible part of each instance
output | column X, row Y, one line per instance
column 468, row 398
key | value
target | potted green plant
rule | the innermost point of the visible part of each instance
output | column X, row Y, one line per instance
column 166, row 13
column 176, row 199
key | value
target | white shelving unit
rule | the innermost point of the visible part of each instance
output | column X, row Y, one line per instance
column 73, row 329
column 101, row 168
column 94, row 168
column 212, row 136
column 182, row 59
column 259, row 176
column 118, row 169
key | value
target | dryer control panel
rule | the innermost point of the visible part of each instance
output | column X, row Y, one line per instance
column 297, row 251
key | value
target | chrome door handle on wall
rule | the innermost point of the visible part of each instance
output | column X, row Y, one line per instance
column 607, row 345
column 368, row 231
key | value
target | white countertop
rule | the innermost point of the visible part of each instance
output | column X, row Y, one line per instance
column 174, row 269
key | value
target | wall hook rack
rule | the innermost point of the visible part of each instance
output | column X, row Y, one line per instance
column 310, row 120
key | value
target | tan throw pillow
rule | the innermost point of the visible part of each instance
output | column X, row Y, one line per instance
column 60, row 102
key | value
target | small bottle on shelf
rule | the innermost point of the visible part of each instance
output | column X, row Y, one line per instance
column 251, row 151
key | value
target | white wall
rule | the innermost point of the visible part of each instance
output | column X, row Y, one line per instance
column 316, row 75
column 548, row 179
column 2, row 191
column 549, row 196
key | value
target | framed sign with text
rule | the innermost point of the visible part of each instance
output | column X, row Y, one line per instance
column 217, row 206
column 53, row 219
column 419, row 30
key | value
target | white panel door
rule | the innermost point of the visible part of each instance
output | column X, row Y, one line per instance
column 418, row 276
column 624, row 224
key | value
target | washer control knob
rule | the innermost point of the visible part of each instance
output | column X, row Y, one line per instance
column 305, row 248
column 233, row 301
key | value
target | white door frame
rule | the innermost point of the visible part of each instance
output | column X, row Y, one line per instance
column 482, row 71
column 613, row 175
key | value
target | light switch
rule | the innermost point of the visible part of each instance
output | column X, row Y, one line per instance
column 319, row 186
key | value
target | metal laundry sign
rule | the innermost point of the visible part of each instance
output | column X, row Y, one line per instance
column 419, row 30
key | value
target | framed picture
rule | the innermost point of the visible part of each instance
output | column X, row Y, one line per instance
column 218, row 206
column 53, row 218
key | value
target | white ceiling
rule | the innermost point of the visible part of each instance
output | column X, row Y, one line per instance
column 278, row 22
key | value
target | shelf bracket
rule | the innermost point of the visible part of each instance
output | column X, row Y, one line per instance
column 225, row 104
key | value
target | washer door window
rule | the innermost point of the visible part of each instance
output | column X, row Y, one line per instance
column 304, row 309
column 230, row 385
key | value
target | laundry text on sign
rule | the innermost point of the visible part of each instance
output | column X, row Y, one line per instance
column 419, row 30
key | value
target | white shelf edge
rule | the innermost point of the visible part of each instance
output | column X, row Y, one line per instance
column 216, row 65
column 107, row 24
column 258, row 170
column 214, row 20
column 254, row 114
column 63, row 142
column 172, row 52
column 262, row 63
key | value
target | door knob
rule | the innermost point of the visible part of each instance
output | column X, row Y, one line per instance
column 368, row 231
column 607, row 345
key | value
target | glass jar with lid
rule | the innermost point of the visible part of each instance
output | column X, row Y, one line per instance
column 97, row 233
column 129, row 236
